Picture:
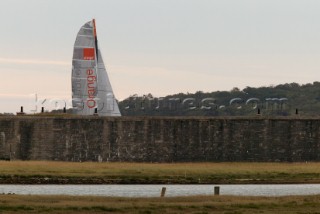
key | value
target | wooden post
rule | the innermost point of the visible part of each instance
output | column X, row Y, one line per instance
column 216, row 190
column 163, row 191
column 21, row 111
column 95, row 112
column 42, row 109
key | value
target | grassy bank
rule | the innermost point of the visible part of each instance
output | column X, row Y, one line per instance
column 196, row 204
column 145, row 173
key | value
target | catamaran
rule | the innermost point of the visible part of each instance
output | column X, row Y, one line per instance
column 91, row 89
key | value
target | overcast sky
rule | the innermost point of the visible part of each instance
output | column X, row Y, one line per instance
column 158, row 46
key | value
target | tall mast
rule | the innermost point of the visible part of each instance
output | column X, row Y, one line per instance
column 95, row 37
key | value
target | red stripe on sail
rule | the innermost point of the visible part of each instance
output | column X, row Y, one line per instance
column 88, row 53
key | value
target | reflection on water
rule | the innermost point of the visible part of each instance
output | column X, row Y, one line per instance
column 154, row 190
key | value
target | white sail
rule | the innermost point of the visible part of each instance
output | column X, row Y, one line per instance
column 91, row 88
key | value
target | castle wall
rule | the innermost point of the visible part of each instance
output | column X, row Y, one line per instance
column 159, row 139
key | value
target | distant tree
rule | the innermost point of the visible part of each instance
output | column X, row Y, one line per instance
column 235, row 89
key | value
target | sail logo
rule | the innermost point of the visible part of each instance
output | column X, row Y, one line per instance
column 88, row 53
column 91, row 86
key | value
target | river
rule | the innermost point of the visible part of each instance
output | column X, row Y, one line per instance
column 154, row 190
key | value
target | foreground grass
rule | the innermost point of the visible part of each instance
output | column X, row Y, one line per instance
column 184, row 173
column 195, row 204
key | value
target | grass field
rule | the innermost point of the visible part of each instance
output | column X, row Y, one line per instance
column 184, row 173
column 39, row 171
column 196, row 204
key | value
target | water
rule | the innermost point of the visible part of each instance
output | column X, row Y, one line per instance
column 154, row 190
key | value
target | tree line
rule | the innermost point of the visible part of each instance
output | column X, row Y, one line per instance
column 280, row 100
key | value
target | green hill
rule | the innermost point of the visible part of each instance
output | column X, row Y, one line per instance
column 283, row 99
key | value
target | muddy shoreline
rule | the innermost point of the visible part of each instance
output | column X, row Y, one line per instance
column 96, row 180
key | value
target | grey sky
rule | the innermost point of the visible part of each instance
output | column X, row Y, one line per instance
column 158, row 46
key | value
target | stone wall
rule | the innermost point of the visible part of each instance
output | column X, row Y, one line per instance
column 159, row 139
